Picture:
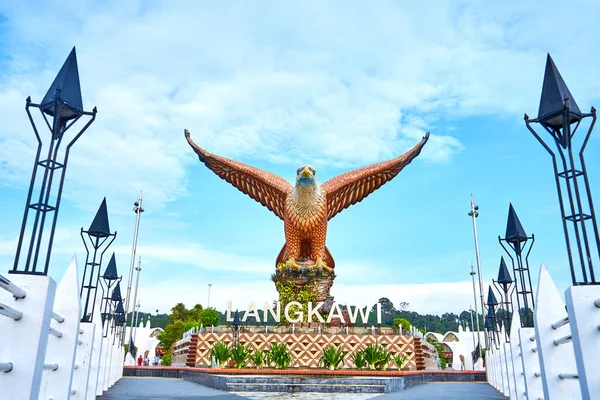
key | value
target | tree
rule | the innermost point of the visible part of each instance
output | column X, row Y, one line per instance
column 179, row 313
column 173, row 332
column 210, row 316
column 403, row 322
column 195, row 314
column 387, row 307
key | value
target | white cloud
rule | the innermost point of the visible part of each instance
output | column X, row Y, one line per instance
column 343, row 84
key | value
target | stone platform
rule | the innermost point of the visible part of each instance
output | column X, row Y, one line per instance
column 298, row 381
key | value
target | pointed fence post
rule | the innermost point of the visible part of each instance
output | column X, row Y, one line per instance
column 99, row 343
column 517, row 357
column 83, row 358
column 583, row 306
column 28, row 336
column 531, row 363
column 64, row 335
column 557, row 359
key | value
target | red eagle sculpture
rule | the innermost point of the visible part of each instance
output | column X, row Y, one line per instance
column 306, row 207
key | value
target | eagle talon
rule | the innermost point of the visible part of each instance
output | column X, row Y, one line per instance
column 292, row 265
column 320, row 265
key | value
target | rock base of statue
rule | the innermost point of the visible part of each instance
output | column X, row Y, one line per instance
column 305, row 279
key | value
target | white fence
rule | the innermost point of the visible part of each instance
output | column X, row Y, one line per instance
column 45, row 352
column 558, row 359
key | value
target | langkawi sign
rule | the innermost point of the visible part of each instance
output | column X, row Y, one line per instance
column 312, row 312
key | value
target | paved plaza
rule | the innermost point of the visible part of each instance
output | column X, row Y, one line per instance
column 178, row 389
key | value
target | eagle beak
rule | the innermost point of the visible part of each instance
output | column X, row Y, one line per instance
column 306, row 172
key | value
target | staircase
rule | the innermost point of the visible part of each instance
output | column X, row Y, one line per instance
column 291, row 384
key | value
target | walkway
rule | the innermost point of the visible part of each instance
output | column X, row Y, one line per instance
column 178, row 389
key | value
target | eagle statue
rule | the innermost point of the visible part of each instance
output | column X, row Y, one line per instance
column 305, row 207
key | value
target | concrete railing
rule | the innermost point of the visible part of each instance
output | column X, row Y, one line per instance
column 45, row 352
column 558, row 358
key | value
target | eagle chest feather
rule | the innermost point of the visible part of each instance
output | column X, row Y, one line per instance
column 306, row 210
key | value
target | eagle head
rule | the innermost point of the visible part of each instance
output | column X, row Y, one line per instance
column 306, row 176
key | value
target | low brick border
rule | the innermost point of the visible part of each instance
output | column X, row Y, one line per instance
column 140, row 371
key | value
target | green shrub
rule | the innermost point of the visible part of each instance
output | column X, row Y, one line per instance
column 239, row 355
column 332, row 357
column 358, row 359
column 278, row 354
column 258, row 358
column 443, row 362
column 167, row 359
column 221, row 352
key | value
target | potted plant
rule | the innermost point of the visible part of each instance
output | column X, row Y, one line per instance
column 258, row 358
column 221, row 353
column 332, row 357
column 399, row 360
column 239, row 355
column 358, row 359
column 278, row 354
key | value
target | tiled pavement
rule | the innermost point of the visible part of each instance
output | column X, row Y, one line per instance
column 178, row 389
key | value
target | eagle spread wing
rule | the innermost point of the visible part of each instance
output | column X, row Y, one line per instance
column 268, row 189
column 351, row 187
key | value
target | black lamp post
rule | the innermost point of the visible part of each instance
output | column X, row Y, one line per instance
column 110, row 278
column 503, row 284
column 492, row 303
column 236, row 328
column 560, row 116
column 98, row 234
column 120, row 321
column 63, row 104
column 517, row 241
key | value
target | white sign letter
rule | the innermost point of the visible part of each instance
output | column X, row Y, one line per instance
column 228, row 316
column 276, row 315
column 251, row 311
column 314, row 312
column 335, row 312
column 299, row 314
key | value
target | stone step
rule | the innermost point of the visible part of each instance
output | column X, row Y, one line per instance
column 304, row 387
column 307, row 380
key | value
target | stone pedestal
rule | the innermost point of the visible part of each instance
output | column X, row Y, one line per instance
column 306, row 278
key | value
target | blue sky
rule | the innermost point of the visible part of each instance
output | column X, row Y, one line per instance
column 276, row 85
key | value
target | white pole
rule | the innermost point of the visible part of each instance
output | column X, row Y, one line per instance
column 208, row 303
column 475, row 303
column 138, row 210
column 137, row 281
column 474, row 214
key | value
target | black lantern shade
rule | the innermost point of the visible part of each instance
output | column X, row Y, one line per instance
column 492, row 302
column 555, row 94
column 504, row 278
column 65, row 92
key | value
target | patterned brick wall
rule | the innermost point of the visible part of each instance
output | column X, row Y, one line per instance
column 306, row 349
